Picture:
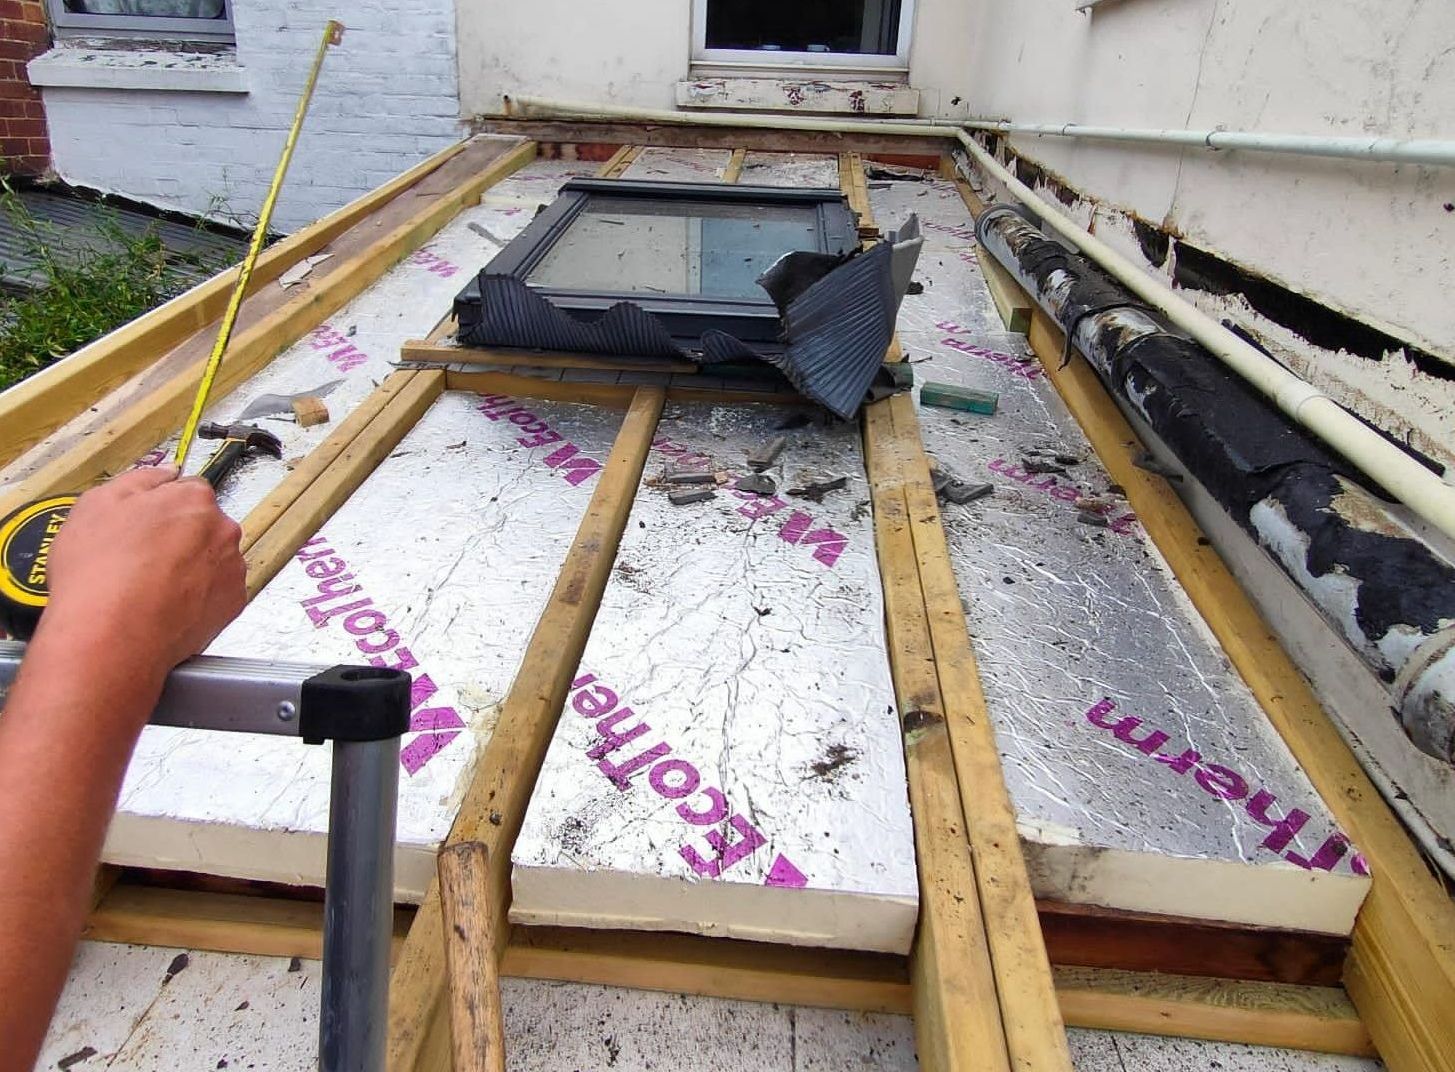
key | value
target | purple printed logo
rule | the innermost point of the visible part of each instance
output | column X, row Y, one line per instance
column 342, row 354
column 369, row 627
column 1225, row 783
column 433, row 263
column 734, row 838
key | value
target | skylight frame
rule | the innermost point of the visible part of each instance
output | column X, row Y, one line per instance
column 686, row 316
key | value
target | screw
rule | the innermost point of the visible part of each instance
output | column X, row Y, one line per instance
column 286, row 711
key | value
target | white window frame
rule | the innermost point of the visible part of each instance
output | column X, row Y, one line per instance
column 151, row 27
column 753, row 57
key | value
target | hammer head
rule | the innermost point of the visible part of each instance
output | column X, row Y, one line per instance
column 253, row 437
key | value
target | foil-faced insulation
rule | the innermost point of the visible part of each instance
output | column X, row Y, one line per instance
column 453, row 544
column 729, row 761
column 1143, row 772
column 1388, row 592
column 439, row 565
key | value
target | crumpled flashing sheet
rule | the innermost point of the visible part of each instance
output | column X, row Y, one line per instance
column 256, row 807
column 729, row 760
column 1144, row 774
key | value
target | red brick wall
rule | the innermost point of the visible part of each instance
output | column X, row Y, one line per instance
column 24, row 145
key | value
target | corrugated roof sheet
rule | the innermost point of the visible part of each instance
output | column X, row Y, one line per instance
column 69, row 224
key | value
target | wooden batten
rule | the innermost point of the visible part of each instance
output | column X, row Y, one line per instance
column 495, row 802
column 1321, row 1019
column 299, row 506
column 1010, row 300
column 1015, row 952
column 957, row 1015
column 1304, row 1017
column 1018, row 951
column 734, row 170
column 37, row 406
column 824, row 143
column 272, row 320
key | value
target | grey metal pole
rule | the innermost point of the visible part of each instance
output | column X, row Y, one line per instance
column 358, row 907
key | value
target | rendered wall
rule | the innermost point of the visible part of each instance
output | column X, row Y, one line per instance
column 387, row 99
column 1372, row 240
column 633, row 52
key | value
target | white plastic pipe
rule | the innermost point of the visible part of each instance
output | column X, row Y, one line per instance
column 1389, row 150
column 558, row 109
column 1409, row 481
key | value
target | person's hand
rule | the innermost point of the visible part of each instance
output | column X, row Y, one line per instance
column 148, row 563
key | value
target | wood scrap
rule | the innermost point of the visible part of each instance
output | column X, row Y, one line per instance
column 309, row 411
column 477, row 1023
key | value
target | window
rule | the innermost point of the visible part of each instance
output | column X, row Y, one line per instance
column 762, row 282
column 199, row 20
column 858, row 33
column 689, row 254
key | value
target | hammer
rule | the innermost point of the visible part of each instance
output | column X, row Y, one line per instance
column 238, row 441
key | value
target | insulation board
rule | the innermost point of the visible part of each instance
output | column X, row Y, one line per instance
column 1144, row 774
column 729, row 761
column 803, row 170
column 450, row 550
column 665, row 164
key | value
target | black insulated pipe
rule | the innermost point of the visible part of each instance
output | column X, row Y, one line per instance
column 1385, row 590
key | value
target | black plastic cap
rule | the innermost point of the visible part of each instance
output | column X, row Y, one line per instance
column 354, row 703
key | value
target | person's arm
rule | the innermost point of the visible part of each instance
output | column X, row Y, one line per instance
column 145, row 572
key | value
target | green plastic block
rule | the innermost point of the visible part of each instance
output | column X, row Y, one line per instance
column 948, row 396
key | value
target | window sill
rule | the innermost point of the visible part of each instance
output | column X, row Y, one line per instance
column 811, row 95
column 87, row 66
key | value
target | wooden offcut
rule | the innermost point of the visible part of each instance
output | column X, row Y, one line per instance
column 1010, row 300
column 310, row 411
column 734, row 170
column 477, row 1024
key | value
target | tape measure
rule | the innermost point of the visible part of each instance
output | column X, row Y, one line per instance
column 27, row 534
column 25, row 543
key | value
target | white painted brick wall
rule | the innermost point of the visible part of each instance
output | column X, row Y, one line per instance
column 388, row 97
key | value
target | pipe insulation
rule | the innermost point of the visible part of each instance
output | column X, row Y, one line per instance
column 1379, row 459
column 1389, row 594
column 1430, row 151
column 1394, row 470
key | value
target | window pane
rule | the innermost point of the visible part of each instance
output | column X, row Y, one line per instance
column 169, row 9
column 717, row 251
column 854, row 26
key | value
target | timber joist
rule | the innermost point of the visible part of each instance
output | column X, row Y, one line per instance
column 979, row 980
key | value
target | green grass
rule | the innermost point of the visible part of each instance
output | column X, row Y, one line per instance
column 89, row 288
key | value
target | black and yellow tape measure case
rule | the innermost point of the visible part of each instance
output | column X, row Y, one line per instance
column 25, row 544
